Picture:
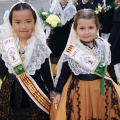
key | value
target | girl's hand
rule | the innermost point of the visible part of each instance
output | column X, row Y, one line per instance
column 56, row 100
column 52, row 95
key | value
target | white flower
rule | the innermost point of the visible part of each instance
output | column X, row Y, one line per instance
column 96, row 12
column 54, row 23
column 99, row 8
column 44, row 13
column 53, row 20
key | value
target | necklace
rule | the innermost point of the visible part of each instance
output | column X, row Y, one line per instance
column 63, row 6
column 93, row 50
column 22, row 54
column 22, row 50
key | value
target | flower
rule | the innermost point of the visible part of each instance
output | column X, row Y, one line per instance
column 50, row 19
column 98, row 9
column 53, row 20
column 104, row 9
column 44, row 13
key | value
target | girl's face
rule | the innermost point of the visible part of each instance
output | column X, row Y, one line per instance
column 23, row 23
column 86, row 30
column 63, row 1
column 85, row 1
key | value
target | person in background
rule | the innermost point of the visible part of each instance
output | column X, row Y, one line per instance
column 85, row 4
column 114, row 40
column 82, row 94
column 105, row 17
column 58, row 39
column 24, row 66
column 79, row 1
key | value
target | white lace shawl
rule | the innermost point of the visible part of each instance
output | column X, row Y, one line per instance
column 36, row 50
column 67, row 14
column 106, row 57
column 100, row 53
column 35, row 54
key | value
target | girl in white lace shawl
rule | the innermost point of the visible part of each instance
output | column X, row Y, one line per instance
column 67, row 13
column 58, row 39
column 78, row 88
column 23, row 23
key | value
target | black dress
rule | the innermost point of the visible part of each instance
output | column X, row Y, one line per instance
column 88, row 5
column 114, row 38
column 15, row 104
column 59, row 38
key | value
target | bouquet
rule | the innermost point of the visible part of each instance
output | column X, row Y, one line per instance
column 50, row 19
column 106, row 8
column 98, row 9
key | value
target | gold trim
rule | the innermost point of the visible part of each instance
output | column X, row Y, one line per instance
column 34, row 92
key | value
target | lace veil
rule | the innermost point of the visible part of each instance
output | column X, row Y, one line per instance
column 36, row 50
column 55, row 1
column 66, row 14
column 73, row 39
column 6, row 28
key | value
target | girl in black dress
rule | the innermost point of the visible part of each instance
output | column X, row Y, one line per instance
column 24, row 66
column 58, row 40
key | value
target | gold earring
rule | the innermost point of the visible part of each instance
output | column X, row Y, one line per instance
column 96, row 36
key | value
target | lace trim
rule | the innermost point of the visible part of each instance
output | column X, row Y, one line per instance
column 100, row 53
column 36, row 52
column 66, row 14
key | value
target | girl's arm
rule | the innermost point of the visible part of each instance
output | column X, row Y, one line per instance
column 65, row 73
column 111, row 71
column 46, row 74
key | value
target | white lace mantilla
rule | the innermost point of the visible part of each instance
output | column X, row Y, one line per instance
column 101, row 52
column 67, row 14
column 36, row 52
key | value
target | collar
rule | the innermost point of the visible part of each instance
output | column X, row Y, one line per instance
column 94, row 44
column 63, row 6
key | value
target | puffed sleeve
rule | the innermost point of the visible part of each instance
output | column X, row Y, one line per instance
column 65, row 73
column 46, row 74
column 3, row 69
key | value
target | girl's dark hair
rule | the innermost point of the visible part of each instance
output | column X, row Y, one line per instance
column 86, row 14
column 22, row 6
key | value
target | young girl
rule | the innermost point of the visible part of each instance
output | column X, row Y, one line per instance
column 88, row 92
column 24, row 66
column 58, row 39
column 85, row 4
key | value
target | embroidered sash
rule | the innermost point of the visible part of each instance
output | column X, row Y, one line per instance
column 89, row 61
column 26, row 81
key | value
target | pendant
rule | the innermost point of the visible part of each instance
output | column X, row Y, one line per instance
column 93, row 51
column 22, row 58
